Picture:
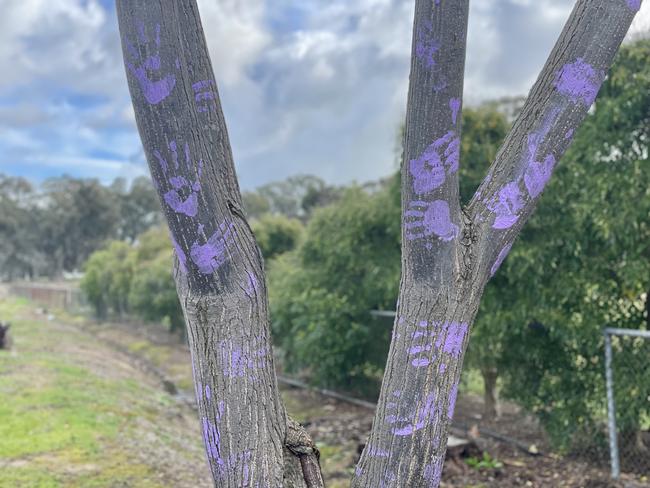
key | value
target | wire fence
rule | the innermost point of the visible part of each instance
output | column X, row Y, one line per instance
column 627, row 368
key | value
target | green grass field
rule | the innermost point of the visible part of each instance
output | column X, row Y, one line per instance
column 73, row 414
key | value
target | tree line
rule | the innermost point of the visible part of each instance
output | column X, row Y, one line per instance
column 52, row 228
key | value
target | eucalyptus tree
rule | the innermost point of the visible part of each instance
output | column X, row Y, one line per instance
column 449, row 251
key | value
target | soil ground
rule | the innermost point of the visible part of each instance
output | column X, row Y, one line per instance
column 108, row 405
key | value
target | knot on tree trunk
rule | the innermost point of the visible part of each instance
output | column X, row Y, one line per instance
column 301, row 447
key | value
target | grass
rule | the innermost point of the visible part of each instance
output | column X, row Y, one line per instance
column 61, row 423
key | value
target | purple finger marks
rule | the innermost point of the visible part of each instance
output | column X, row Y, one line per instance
column 426, row 46
column 537, row 175
column 453, row 394
column 579, row 81
column 204, row 95
column 634, row 5
column 500, row 258
column 454, row 105
column 212, row 435
column 251, row 285
column 506, row 205
column 210, row 256
column 183, row 197
column 433, row 473
column 439, row 159
column 427, row 219
column 242, row 362
column 420, row 418
column 454, row 340
column 155, row 86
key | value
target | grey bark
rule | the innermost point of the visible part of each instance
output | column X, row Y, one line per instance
column 448, row 253
column 219, row 270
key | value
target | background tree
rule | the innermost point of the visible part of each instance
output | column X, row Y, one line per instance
column 448, row 252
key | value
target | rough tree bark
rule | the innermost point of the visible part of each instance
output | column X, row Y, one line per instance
column 448, row 252
column 218, row 268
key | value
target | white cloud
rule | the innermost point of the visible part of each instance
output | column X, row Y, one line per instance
column 313, row 86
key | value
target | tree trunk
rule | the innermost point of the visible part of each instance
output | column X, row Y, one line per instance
column 490, row 394
column 448, row 252
column 219, row 270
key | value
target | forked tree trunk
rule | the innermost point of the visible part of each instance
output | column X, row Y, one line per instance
column 449, row 252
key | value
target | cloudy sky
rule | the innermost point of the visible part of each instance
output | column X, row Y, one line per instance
column 308, row 86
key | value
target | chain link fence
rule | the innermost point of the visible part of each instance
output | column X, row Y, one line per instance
column 627, row 367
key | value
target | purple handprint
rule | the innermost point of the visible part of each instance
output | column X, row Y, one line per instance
column 204, row 96
column 506, row 205
column 415, row 422
column 537, row 175
column 579, row 81
column 430, row 169
column 184, row 195
column 154, row 91
column 434, row 219
column 210, row 256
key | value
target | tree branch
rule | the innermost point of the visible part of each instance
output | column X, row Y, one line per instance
column 556, row 106
column 430, row 199
column 408, row 439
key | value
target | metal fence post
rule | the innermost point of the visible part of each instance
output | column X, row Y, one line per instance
column 611, row 408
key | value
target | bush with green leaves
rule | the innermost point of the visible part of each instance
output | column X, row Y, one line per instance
column 135, row 279
column 322, row 293
column 276, row 234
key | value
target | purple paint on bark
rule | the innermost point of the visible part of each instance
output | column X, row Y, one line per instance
column 454, row 105
column 208, row 393
column 537, row 175
column 427, row 219
column 455, row 335
column 430, row 170
column 212, row 435
column 419, row 419
column 433, row 473
column 210, row 256
column 635, row 5
column 506, row 206
column 500, row 258
column 374, row 451
column 569, row 134
column 453, row 394
column 204, row 96
column 183, row 197
column 579, row 81
column 238, row 363
column 145, row 70
column 251, row 285
column 426, row 46
column 180, row 254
